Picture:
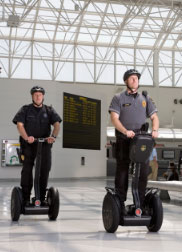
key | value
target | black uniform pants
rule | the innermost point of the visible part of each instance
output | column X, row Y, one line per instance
column 122, row 171
column 29, row 152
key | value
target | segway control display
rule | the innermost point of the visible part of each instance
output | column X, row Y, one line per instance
column 141, row 147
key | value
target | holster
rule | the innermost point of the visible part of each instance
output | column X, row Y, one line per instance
column 20, row 151
column 114, row 149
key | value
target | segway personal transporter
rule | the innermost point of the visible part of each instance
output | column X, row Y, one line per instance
column 51, row 206
column 152, row 216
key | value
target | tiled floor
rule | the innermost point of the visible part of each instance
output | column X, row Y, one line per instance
column 79, row 225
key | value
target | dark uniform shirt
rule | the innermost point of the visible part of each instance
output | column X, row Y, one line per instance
column 37, row 121
column 133, row 109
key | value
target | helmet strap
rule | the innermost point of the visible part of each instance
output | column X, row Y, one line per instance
column 132, row 89
column 37, row 105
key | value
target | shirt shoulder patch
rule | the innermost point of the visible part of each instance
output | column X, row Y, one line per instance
column 144, row 104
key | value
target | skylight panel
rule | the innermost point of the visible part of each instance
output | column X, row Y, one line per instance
column 125, row 55
column 143, row 56
column 106, row 39
column 85, row 53
column 126, row 39
column 117, row 9
column 4, row 47
column 4, row 31
column 69, row 5
column 98, row 7
column 87, row 35
column 64, row 52
column 42, row 50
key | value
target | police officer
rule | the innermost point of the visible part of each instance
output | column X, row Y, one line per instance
column 129, row 111
column 34, row 121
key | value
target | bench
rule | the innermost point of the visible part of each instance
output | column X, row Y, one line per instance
column 166, row 186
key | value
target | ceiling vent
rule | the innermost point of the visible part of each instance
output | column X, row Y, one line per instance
column 13, row 21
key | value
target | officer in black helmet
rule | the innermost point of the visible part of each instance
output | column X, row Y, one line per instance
column 34, row 121
column 129, row 111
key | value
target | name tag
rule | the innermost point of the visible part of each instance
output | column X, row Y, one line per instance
column 126, row 104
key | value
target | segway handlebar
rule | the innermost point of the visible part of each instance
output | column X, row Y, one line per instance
column 143, row 133
column 40, row 140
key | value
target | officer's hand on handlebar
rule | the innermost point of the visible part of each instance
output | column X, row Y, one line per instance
column 30, row 139
column 51, row 140
column 154, row 134
column 130, row 133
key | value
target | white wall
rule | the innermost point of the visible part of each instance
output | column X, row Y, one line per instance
column 66, row 162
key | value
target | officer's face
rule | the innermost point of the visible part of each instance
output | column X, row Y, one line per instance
column 132, row 81
column 38, row 97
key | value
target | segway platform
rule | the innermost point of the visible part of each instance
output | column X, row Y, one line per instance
column 115, row 214
column 136, row 221
column 38, row 210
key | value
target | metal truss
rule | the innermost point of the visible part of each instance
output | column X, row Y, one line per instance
column 97, row 38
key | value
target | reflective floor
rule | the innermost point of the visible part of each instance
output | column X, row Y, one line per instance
column 79, row 225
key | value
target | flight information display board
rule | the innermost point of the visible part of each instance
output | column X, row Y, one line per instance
column 81, row 122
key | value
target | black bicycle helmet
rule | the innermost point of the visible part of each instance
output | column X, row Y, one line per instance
column 37, row 89
column 130, row 72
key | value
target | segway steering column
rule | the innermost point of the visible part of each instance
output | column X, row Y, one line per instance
column 37, row 170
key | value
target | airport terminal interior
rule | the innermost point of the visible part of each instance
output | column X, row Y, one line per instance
column 75, row 53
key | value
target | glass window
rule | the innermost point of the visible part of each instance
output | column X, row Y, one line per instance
column 146, row 75
column 21, row 49
column 165, row 58
column 4, row 47
column 85, row 53
column 42, row 50
column 42, row 70
column 105, row 73
column 125, row 56
column 21, row 69
column 84, row 72
column 165, row 76
column 178, row 77
column 63, row 71
column 4, row 66
column 64, row 52
column 144, row 56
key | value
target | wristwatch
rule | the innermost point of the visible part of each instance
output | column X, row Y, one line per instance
column 53, row 136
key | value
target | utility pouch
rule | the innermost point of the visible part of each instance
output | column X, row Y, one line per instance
column 20, row 150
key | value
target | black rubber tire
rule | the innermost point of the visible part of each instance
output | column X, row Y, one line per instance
column 156, row 209
column 53, row 202
column 110, row 213
column 16, row 203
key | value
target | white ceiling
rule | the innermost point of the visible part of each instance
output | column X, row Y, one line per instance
column 154, row 25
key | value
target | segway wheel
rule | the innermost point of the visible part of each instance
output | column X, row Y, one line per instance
column 110, row 213
column 53, row 202
column 156, row 209
column 16, row 203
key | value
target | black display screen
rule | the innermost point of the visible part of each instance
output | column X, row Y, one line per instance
column 81, row 122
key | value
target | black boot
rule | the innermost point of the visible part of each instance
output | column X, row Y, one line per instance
column 26, row 202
